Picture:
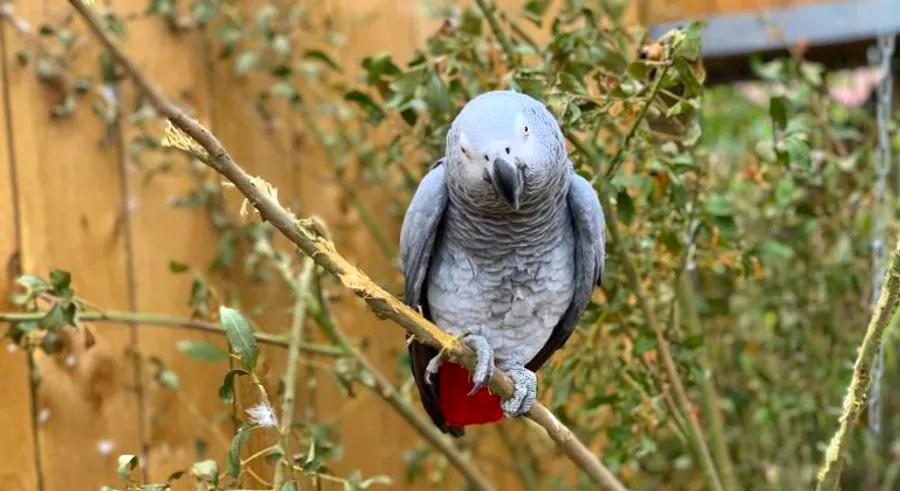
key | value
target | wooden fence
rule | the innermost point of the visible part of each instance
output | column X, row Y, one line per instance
column 72, row 198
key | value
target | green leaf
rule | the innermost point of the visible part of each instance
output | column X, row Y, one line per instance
column 374, row 113
column 127, row 464
column 319, row 55
column 177, row 267
column 778, row 112
column 798, row 153
column 202, row 350
column 206, row 471
column 244, row 62
column 32, row 282
column 689, row 47
column 534, row 10
column 226, row 391
column 644, row 344
column 240, row 335
column 60, row 279
column 720, row 206
column 233, row 463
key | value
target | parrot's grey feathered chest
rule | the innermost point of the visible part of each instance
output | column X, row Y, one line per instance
column 509, row 278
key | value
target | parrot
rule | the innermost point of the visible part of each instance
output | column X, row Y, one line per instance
column 501, row 246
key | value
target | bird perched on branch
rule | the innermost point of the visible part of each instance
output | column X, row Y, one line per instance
column 502, row 245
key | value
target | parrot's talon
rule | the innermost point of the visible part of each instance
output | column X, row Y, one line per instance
column 484, row 361
column 524, row 391
column 434, row 365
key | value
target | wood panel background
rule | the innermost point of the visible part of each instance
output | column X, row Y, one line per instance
column 72, row 198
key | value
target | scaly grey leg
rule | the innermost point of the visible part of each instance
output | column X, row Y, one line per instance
column 434, row 364
column 524, row 391
column 484, row 360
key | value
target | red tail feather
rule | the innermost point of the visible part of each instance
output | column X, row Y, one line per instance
column 458, row 407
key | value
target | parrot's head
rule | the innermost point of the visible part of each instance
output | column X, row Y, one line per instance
column 505, row 151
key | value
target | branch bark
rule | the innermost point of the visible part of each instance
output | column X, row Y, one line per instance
column 858, row 390
column 304, row 236
column 301, row 298
column 169, row 321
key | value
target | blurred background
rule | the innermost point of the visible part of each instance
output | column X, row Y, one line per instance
column 747, row 162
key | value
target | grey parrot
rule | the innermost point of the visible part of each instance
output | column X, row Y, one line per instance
column 502, row 245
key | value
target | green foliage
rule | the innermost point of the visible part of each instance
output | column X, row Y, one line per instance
column 240, row 335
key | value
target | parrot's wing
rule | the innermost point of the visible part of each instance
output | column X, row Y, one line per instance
column 590, row 253
column 421, row 227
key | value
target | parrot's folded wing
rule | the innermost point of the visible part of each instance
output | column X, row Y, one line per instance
column 590, row 254
column 420, row 230
column 421, row 227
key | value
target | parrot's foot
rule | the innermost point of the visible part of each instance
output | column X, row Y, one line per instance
column 524, row 391
column 484, row 361
column 434, row 365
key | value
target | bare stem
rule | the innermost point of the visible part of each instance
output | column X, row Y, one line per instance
column 500, row 34
column 301, row 298
column 708, row 391
column 858, row 390
column 626, row 142
column 304, row 235
column 168, row 321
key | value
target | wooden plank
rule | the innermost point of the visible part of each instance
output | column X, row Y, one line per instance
column 161, row 233
column 18, row 471
column 70, row 204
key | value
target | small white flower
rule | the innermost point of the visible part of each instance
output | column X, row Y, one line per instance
column 105, row 447
column 70, row 361
column 12, row 347
column 43, row 415
column 262, row 415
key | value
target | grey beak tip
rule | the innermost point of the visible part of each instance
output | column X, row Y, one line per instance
column 507, row 182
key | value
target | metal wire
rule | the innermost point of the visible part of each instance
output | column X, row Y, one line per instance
column 883, row 115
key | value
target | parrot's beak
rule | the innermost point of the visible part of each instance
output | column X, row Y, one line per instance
column 507, row 181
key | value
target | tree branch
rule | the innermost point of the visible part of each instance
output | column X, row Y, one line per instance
column 858, row 390
column 301, row 298
column 169, row 321
column 500, row 34
column 304, row 236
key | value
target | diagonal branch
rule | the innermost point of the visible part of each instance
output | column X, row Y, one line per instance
column 304, row 236
column 858, row 390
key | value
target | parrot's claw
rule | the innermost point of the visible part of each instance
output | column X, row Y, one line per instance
column 484, row 361
column 434, row 364
column 524, row 391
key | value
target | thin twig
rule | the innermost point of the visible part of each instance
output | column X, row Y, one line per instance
column 169, row 321
column 517, row 30
column 858, row 390
column 301, row 299
column 710, row 397
column 322, row 250
column 500, row 34
column 520, row 462
column 626, row 142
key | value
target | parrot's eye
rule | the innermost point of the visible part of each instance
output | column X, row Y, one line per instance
column 525, row 130
column 507, row 150
column 463, row 150
column 486, row 158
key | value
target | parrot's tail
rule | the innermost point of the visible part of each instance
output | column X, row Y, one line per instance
column 461, row 409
